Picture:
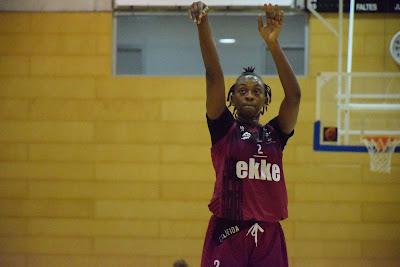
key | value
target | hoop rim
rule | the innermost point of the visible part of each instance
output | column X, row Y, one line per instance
column 384, row 138
column 380, row 143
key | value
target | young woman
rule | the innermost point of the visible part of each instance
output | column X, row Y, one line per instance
column 250, row 195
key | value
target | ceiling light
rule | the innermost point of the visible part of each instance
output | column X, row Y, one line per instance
column 227, row 41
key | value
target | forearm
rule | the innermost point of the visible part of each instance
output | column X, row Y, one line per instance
column 209, row 51
column 286, row 73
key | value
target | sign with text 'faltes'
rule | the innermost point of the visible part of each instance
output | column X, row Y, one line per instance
column 361, row 6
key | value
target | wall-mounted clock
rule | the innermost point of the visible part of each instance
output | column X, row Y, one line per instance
column 395, row 47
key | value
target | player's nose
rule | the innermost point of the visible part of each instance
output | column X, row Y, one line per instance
column 249, row 96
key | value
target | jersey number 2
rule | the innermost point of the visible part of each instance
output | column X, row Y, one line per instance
column 216, row 263
column 259, row 151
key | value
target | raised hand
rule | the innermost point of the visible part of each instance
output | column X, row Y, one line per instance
column 197, row 11
column 270, row 32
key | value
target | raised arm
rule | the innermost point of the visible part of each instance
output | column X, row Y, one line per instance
column 289, row 108
column 215, row 101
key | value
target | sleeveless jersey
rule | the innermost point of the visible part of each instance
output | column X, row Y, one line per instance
column 250, row 182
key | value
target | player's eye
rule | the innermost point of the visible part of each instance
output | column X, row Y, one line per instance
column 242, row 91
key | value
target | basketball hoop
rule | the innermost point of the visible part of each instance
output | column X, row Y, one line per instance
column 380, row 150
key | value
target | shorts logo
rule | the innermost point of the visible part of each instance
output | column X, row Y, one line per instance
column 258, row 170
column 227, row 232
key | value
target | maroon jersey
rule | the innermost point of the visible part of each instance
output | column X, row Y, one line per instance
column 250, row 183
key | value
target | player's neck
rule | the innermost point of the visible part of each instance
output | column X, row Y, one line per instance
column 248, row 121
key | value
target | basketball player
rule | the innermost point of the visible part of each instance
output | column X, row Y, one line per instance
column 250, row 195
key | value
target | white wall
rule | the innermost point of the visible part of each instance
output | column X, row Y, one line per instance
column 55, row 5
column 106, row 5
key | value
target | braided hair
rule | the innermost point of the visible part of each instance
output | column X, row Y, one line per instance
column 267, row 90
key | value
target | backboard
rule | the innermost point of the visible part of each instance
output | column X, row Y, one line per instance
column 350, row 106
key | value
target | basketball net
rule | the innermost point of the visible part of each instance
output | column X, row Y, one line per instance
column 380, row 150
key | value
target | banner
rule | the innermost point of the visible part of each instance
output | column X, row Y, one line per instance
column 361, row 6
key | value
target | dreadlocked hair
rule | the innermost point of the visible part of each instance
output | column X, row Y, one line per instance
column 248, row 70
column 267, row 90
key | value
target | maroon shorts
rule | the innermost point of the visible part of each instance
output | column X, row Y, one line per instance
column 244, row 244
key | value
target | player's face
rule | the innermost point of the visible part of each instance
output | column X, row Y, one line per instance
column 249, row 97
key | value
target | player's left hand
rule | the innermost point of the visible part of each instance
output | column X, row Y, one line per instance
column 197, row 11
column 270, row 32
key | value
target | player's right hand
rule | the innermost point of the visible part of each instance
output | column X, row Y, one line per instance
column 270, row 32
column 197, row 11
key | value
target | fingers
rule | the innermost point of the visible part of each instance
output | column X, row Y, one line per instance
column 274, row 15
column 268, row 10
column 203, row 13
column 268, row 14
column 197, row 11
column 278, row 13
column 193, row 11
column 260, row 23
